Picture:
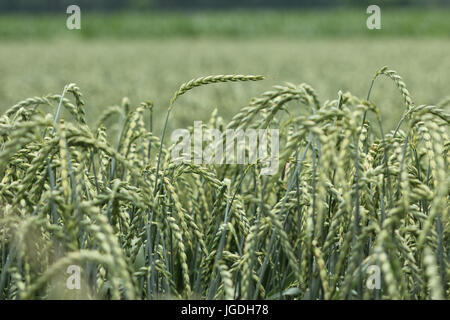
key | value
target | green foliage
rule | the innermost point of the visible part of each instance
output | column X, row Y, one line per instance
column 347, row 195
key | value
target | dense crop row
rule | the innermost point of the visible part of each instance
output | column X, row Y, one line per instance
column 347, row 196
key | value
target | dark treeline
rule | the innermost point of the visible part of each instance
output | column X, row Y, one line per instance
column 116, row 5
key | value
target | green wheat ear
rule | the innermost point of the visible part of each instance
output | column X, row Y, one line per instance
column 209, row 80
column 185, row 87
column 394, row 76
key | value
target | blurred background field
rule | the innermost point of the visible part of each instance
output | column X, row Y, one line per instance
column 146, row 55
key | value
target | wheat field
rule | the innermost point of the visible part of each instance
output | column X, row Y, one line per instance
column 108, row 69
column 348, row 195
